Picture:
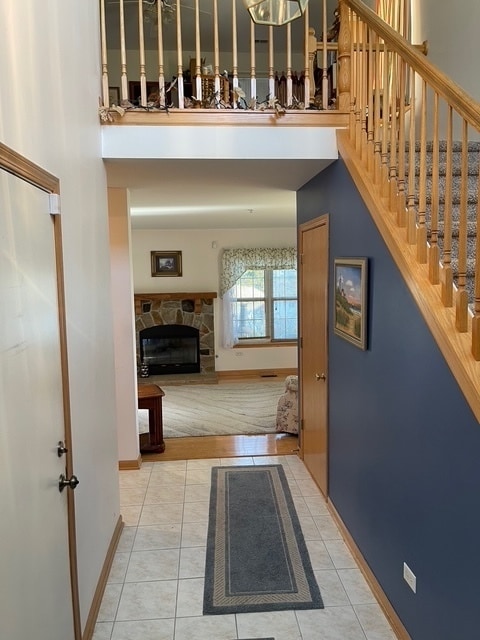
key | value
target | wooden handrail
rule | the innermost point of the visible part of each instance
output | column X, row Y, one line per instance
column 464, row 104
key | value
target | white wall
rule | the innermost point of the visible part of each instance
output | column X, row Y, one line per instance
column 49, row 75
column 201, row 269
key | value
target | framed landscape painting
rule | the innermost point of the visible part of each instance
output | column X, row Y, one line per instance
column 166, row 263
column 350, row 304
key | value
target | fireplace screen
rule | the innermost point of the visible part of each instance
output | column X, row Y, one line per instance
column 170, row 349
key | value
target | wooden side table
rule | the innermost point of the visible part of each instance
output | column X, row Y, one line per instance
column 150, row 397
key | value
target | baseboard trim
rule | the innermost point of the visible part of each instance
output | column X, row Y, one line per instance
column 102, row 582
column 249, row 374
column 369, row 576
column 129, row 465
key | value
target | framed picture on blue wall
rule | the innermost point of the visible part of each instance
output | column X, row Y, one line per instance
column 350, row 304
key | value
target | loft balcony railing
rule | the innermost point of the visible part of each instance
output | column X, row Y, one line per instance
column 413, row 140
column 165, row 55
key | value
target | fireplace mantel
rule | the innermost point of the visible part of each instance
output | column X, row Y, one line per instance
column 142, row 298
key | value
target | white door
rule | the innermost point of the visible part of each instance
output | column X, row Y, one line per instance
column 35, row 585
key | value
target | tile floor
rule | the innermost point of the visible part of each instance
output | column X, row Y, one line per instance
column 155, row 587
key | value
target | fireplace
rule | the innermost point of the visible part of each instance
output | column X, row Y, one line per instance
column 184, row 325
column 170, row 348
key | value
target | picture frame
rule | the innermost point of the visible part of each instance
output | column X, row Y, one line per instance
column 166, row 263
column 350, row 300
column 114, row 96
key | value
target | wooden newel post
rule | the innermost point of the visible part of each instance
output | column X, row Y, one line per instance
column 344, row 59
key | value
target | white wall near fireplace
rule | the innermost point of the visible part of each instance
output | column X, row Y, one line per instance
column 201, row 253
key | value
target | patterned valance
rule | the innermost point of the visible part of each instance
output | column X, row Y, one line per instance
column 236, row 261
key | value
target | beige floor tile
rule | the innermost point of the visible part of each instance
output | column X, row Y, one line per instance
column 192, row 562
column 190, row 597
column 282, row 625
column 103, row 631
column 307, row 487
column 132, row 496
column 197, row 492
column 340, row 554
column 161, row 493
column 163, row 477
column 331, row 588
column 309, row 528
column 158, row 536
column 319, row 556
column 327, row 527
column 110, row 600
column 316, row 505
column 196, row 511
column 194, row 534
column 144, row 630
column 206, row 628
column 148, row 600
column 236, row 462
column 137, row 479
column 126, row 539
column 356, row 586
column 331, row 623
column 131, row 515
column 198, row 476
column 374, row 622
column 169, row 513
column 206, row 463
column 159, row 564
column 119, row 567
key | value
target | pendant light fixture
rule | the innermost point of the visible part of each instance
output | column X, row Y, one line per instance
column 275, row 12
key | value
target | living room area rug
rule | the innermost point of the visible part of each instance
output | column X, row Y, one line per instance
column 228, row 408
column 256, row 559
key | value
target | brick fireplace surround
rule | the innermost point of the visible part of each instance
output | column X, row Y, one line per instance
column 188, row 309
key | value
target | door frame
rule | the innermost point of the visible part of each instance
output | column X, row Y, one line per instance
column 324, row 221
column 22, row 168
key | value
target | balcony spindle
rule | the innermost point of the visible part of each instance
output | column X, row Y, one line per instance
column 411, row 212
column 377, row 116
column 422, row 197
column 359, row 89
column 271, row 65
column 306, row 65
column 370, row 89
column 180, row 88
column 461, row 298
column 401, row 211
column 216, row 48
column 344, row 71
column 447, row 272
column 198, row 54
column 385, row 122
column 253, row 71
column 141, row 43
column 433, row 252
column 234, row 50
column 123, row 54
column 365, row 90
column 353, row 73
column 289, row 65
column 103, row 31
column 392, row 172
column 161, row 67
column 325, row 95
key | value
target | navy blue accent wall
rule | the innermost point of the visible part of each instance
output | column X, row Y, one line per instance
column 404, row 446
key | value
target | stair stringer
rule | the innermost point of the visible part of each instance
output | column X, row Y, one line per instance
column 455, row 346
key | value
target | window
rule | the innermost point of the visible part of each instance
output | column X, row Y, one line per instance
column 265, row 306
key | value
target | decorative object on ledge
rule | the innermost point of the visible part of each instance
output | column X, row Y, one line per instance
column 350, row 303
column 275, row 12
column 166, row 263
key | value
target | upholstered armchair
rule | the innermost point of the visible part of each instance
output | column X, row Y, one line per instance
column 287, row 407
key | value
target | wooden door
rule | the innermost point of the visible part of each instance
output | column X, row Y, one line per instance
column 38, row 598
column 313, row 306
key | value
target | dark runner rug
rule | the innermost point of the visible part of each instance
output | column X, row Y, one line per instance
column 256, row 558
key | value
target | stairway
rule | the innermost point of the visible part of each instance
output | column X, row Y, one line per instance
column 472, row 197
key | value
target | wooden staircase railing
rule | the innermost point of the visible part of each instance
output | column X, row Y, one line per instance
column 410, row 130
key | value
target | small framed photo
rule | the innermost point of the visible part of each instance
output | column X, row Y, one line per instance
column 350, row 304
column 114, row 96
column 166, row 263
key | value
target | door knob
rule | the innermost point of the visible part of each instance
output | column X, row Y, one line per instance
column 320, row 376
column 64, row 482
column 61, row 449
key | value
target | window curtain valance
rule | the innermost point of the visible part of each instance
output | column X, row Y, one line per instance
column 236, row 261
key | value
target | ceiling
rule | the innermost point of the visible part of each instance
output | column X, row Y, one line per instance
column 212, row 194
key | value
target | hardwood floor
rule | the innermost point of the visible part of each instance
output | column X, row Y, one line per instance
column 225, row 447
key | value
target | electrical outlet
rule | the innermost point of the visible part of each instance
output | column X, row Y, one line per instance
column 409, row 577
